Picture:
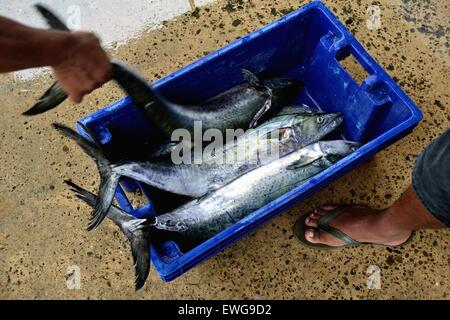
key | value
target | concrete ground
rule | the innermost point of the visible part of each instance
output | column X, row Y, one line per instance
column 42, row 227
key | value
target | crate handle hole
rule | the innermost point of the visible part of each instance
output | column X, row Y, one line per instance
column 352, row 66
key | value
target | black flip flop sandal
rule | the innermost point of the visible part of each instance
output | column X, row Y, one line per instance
column 323, row 224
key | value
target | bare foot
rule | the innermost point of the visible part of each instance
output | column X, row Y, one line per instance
column 358, row 222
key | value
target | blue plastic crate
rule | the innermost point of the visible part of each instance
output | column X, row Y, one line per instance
column 306, row 44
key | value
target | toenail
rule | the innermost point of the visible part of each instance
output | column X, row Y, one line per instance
column 308, row 220
column 310, row 234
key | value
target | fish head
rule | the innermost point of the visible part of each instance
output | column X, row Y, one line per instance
column 338, row 149
column 313, row 126
column 283, row 89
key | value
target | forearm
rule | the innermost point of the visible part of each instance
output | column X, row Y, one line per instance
column 23, row 47
column 79, row 62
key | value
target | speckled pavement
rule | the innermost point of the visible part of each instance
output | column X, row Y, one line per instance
column 42, row 226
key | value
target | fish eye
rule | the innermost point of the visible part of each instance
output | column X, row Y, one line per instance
column 319, row 119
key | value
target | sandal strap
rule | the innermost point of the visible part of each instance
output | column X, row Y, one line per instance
column 324, row 225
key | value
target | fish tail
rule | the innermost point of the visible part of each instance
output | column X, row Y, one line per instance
column 51, row 18
column 82, row 194
column 135, row 229
column 52, row 98
column 55, row 95
column 108, row 178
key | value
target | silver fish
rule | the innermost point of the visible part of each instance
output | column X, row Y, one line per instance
column 283, row 134
column 134, row 229
column 204, row 217
column 200, row 219
column 196, row 180
column 239, row 107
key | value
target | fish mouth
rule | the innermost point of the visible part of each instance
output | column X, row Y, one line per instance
column 335, row 119
column 337, row 116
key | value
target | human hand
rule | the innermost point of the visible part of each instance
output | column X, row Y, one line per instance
column 82, row 65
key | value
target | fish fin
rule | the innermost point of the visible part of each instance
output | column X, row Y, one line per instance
column 52, row 19
column 90, row 134
column 134, row 229
column 52, row 98
column 164, row 149
column 82, row 194
column 252, row 79
column 302, row 162
column 264, row 109
column 295, row 110
column 140, row 250
column 108, row 179
column 108, row 185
